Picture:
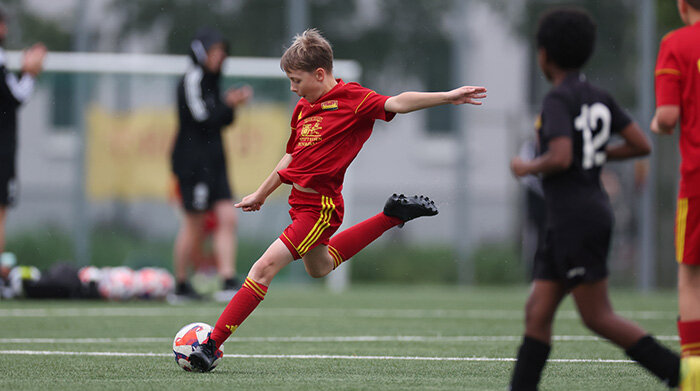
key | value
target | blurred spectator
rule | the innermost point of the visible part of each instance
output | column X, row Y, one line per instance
column 14, row 90
column 199, row 163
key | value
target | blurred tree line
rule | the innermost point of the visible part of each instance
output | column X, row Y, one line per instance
column 408, row 37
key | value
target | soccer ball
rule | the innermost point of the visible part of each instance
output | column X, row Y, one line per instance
column 188, row 338
column 89, row 274
column 153, row 283
column 117, row 283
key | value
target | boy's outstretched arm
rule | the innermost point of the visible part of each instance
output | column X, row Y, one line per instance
column 412, row 101
column 255, row 201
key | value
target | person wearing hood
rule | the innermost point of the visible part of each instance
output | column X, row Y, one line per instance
column 199, row 162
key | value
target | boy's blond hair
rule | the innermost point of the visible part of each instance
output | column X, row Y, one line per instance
column 308, row 52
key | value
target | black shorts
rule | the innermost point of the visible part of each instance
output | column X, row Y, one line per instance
column 201, row 190
column 575, row 252
column 8, row 190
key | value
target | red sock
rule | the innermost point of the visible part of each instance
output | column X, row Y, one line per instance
column 346, row 244
column 690, row 337
column 238, row 309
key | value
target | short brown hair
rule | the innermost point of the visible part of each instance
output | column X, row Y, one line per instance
column 308, row 52
column 694, row 4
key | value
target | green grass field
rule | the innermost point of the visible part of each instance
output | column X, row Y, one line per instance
column 306, row 338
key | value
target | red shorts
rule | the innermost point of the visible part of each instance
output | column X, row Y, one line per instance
column 688, row 231
column 315, row 218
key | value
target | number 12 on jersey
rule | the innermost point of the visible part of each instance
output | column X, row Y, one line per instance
column 594, row 125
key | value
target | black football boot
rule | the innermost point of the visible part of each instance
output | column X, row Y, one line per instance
column 202, row 357
column 408, row 208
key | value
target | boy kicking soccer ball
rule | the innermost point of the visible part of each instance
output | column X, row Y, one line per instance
column 330, row 123
column 573, row 130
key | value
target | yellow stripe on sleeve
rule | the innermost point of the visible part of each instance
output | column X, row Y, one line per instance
column 681, row 217
column 363, row 101
column 667, row 71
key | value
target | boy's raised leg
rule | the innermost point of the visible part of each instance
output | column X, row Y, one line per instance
column 397, row 210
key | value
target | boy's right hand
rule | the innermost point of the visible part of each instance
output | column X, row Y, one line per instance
column 466, row 94
column 33, row 60
column 251, row 203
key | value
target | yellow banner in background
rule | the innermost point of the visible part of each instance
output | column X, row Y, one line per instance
column 128, row 155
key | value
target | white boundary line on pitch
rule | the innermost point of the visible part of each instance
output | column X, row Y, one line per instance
column 361, row 338
column 307, row 356
column 309, row 312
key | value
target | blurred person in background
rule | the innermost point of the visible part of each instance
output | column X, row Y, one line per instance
column 15, row 89
column 677, row 100
column 199, row 163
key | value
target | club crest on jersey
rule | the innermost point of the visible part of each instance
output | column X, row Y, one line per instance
column 329, row 105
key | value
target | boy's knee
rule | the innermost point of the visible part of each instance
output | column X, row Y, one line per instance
column 262, row 270
column 315, row 272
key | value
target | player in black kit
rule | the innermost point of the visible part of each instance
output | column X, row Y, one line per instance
column 199, row 163
column 14, row 91
column 573, row 130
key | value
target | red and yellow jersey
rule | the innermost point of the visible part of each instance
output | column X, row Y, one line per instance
column 678, row 84
column 328, row 134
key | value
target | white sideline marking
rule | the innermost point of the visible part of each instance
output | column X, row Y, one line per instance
column 305, row 356
column 310, row 312
column 365, row 338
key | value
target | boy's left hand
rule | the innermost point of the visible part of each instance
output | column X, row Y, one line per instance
column 466, row 94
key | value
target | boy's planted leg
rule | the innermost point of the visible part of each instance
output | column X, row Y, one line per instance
column 243, row 303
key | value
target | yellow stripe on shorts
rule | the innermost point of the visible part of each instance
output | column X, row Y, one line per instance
column 681, row 219
column 327, row 208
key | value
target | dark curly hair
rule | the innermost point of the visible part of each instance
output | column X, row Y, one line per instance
column 568, row 36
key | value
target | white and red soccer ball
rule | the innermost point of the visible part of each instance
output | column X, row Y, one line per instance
column 89, row 274
column 187, row 339
column 117, row 283
column 153, row 283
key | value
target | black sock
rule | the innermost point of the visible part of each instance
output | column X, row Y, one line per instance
column 231, row 283
column 532, row 357
column 659, row 360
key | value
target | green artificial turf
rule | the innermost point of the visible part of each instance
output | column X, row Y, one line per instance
column 449, row 322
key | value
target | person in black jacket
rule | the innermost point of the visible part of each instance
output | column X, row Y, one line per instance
column 14, row 91
column 199, row 163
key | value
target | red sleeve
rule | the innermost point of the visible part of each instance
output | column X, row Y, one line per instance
column 668, row 75
column 293, row 135
column 370, row 104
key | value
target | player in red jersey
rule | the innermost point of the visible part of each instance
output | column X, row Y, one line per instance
column 678, row 99
column 330, row 123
